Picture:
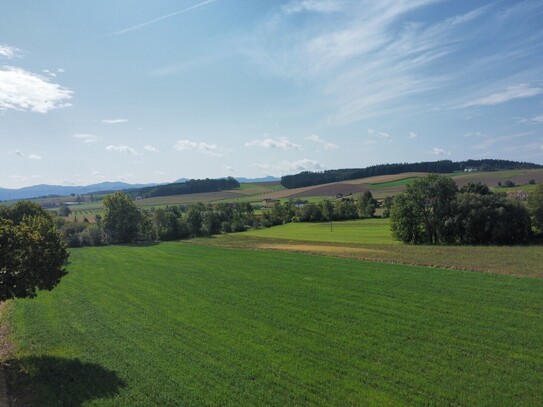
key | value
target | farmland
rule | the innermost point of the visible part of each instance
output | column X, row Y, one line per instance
column 180, row 323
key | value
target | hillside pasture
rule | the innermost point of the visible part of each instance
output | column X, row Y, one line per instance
column 371, row 239
column 182, row 324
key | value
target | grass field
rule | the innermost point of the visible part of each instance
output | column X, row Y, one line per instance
column 182, row 324
column 371, row 239
column 368, row 231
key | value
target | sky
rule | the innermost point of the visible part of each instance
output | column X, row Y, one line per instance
column 157, row 90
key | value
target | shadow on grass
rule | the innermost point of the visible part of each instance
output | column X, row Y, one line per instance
column 52, row 381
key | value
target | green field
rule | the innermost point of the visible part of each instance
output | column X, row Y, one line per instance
column 367, row 231
column 182, row 324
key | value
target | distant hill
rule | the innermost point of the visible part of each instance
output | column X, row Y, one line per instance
column 47, row 190
column 308, row 178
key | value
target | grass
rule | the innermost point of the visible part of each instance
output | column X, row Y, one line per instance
column 182, row 324
column 368, row 231
column 371, row 239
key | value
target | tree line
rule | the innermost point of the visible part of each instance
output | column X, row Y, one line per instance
column 433, row 210
column 308, row 178
column 192, row 186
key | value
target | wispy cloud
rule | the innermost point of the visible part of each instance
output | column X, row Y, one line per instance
column 384, row 57
column 114, row 121
column 188, row 145
column 412, row 135
column 489, row 141
column 510, row 93
column 319, row 6
column 121, row 148
column 326, row 145
column 289, row 167
column 25, row 91
column 380, row 134
column 164, row 17
column 534, row 119
column 87, row 138
column 31, row 156
column 151, row 149
column 282, row 143
column 439, row 151
column 8, row 52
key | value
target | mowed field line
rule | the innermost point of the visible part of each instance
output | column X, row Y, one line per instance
column 181, row 324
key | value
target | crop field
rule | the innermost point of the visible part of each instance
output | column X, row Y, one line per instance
column 368, row 231
column 186, row 324
column 371, row 239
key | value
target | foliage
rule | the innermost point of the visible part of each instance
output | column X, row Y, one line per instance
column 433, row 211
column 64, row 211
column 246, row 327
column 535, row 203
column 366, row 205
column 189, row 187
column 32, row 254
column 308, row 178
column 425, row 212
column 121, row 218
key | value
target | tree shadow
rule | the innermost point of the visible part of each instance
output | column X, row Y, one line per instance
column 53, row 381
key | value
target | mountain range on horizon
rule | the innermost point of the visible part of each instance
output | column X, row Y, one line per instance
column 41, row 190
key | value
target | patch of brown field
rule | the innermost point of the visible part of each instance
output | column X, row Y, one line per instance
column 321, row 249
column 379, row 179
column 522, row 261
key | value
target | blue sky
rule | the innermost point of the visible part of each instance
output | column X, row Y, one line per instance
column 152, row 91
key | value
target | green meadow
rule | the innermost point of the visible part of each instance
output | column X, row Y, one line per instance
column 366, row 231
column 186, row 324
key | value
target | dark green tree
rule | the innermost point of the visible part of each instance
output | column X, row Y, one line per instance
column 366, row 205
column 535, row 204
column 120, row 218
column 428, row 203
column 64, row 211
column 32, row 253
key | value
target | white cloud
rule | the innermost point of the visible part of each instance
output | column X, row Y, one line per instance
column 123, row 149
column 87, row 138
column 114, row 121
column 319, row 6
column 380, row 134
column 316, row 139
column 534, row 119
column 412, row 135
column 439, row 151
column 510, row 93
column 8, row 52
column 289, row 167
column 31, row 156
column 25, row 91
column 160, row 173
column 229, row 169
column 150, row 149
column 488, row 141
column 282, row 143
column 188, row 145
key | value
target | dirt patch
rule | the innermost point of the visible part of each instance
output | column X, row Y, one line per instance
column 361, row 252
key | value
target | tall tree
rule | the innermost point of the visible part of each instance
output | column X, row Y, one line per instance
column 535, row 204
column 32, row 253
column 121, row 218
column 366, row 205
column 429, row 202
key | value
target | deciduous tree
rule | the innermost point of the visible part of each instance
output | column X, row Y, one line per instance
column 32, row 253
